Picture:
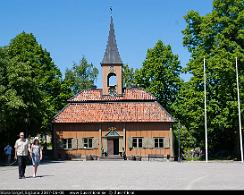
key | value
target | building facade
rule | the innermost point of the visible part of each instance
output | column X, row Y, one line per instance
column 113, row 120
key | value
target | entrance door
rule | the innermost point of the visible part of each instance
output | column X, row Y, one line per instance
column 113, row 146
column 116, row 146
column 110, row 146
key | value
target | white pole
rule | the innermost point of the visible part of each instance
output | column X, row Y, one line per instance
column 239, row 111
column 205, row 113
column 179, row 159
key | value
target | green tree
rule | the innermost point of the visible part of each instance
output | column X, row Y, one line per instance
column 3, row 88
column 160, row 74
column 33, row 85
column 185, row 138
column 218, row 37
column 188, row 109
column 81, row 76
column 128, row 76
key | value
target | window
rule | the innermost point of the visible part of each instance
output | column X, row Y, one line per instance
column 87, row 142
column 67, row 143
column 137, row 142
column 159, row 142
column 112, row 80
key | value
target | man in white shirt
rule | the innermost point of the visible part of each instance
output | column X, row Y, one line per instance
column 8, row 152
column 22, row 147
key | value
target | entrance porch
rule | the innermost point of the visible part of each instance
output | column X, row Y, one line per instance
column 112, row 144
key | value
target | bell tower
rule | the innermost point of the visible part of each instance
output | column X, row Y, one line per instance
column 112, row 66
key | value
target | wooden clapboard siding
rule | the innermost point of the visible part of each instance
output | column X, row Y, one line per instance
column 147, row 130
column 78, row 131
column 76, row 126
column 144, row 130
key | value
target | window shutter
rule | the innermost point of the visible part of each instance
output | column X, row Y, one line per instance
column 144, row 142
column 130, row 142
column 80, row 143
column 166, row 142
column 150, row 143
column 105, row 145
column 94, row 142
column 74, row 143
column 120, row 144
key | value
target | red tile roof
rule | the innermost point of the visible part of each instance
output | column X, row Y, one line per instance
column 113, row 112
column 90, row 106
column 96, row 95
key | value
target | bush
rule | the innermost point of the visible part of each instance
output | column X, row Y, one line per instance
column 192, row 154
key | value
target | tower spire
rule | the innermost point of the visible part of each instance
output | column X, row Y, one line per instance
column 112, row 65
column 111, row 55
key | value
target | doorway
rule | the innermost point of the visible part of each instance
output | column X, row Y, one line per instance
column 113, row 146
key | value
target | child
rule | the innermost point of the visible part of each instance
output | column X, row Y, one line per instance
column 36, row 154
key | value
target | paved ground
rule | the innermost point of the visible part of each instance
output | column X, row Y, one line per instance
column 127, row 175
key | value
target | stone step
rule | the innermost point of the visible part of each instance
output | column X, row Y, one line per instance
column 111, row 157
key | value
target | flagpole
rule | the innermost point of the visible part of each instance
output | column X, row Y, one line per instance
column 205, row 112
column 179, row 158
column 239, row 111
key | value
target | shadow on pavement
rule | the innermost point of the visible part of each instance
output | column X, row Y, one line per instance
column 15, row 163
column 51, row 161
column 38, row 176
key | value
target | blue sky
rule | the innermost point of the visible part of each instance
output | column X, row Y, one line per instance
column 70, row 29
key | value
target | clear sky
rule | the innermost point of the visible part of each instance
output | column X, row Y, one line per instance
column 70, row 29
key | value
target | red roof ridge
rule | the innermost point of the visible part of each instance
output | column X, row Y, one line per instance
column 90, row 95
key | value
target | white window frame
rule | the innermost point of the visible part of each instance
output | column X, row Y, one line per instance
column 88, row 143
column 158, row 139
column 137, row 142
column 67, row 143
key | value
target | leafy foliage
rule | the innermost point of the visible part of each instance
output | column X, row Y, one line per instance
column 30, row 85
column 128, row 76
column 160, row 74
column 81, row 76
column 218, row 37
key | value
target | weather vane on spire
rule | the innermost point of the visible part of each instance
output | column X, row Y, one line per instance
column 111, row 10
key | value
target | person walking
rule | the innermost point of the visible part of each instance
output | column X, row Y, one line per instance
column 21, row 153
column 8, row 152
column 36, row 154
